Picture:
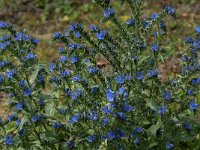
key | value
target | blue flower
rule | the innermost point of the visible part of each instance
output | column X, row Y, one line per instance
column 30, row 56
column 26, row 38
column 188, row 40
column 152, row 73
column 35, row 118
column 135, row 58
column 11, row 95
column 4, row 38
column 155, row 47
column 1, row 121
column 110, row 95
column 76, row 78
column 56, row 125
column 22, row 83
column 74, row 59
column 73, row 46
column 105, row 121
column 86, row 61
column 121, row 115
column 70, row 144
column 18, row 121
column 2, row 64
column 136, row 141
column 127, row 107
column 75, row 118
column 19, row 106
column 63, row 59
column 57, row 35
column 35, row 41
column 166, row 95
column 149, row 73
column 54, row 79
column 130, row 22
column 162, row 110
column 119, row 133
column 169, row 145
column 4, row 25
column 20, row 36
column 3, row 46
column 75, row 26
column 106, row 110
column 72, row 27
column 10, row 117
column 27, row 92
column 93, row 116
column 109, row 12
column 197, row 29
column 65, row 73
column 41, row 102
column 162, row 25
column 103, row 137
column 40, row 79
column 111, row 135
column 77, row 35
column 52, row 67
column 101, row 35
column 193, row 105
column 187, row 126
column 78, row 92
column 154, row 16
column 8, row 140
column 1, row 78
column 61, row 50
column 140, row 75
column 195, row 81
column 190, row 92
column 121, row 91
column 146, row 24
column 10, row 73
column 74, row 96
column 91, row 138
column 70, row 122
column 91, row 69
column 137, row 130
column 94, row 28
column 128, row 77
column 120, row 79
column 170, row 10
column 94, row 89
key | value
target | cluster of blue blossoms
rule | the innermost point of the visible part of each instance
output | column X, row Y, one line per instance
column 73, row 102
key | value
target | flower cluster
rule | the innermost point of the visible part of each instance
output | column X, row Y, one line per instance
column 103, row 92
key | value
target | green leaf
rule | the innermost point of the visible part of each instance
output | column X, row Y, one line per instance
column 154, row 128
column 151, row 104
column 50, row 108
column 153, row 144
column 20, row 148
column 50, row 136
column 35, row 73
column 23, row 121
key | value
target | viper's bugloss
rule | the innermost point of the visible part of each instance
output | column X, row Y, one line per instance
column 114, row 102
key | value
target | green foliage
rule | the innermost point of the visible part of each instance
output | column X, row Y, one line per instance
column 104, row 91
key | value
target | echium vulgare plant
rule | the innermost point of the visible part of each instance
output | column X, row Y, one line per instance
column 104, row 91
